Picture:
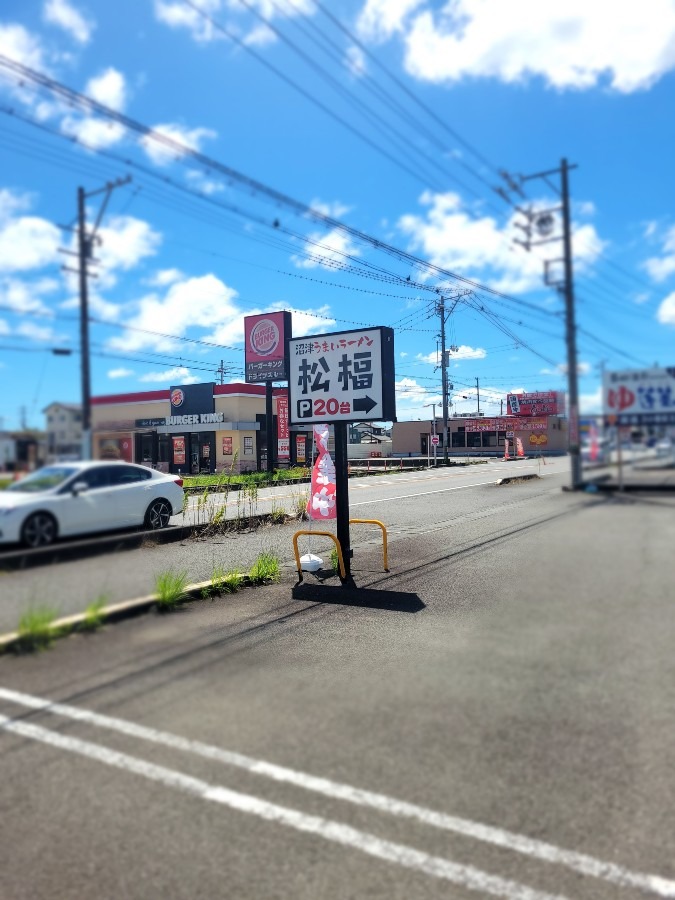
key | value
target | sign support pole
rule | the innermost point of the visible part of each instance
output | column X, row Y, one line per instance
column 342, row 495
column 269, row 423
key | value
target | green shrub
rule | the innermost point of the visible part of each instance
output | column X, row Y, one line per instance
column 265, row 569
column 170, row 589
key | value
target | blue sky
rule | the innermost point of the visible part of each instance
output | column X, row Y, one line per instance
column 394, row 117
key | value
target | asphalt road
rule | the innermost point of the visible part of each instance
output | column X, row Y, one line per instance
column 495, row 719
column 123, row 574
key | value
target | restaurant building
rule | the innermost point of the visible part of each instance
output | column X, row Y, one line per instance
column 483, row 436
column 195, row 428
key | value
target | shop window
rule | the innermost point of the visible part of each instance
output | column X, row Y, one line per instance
column 489, row 439
column 163, row 448
column 248, row 446
column 501, row 437
column 473, row 439
column 459, row 438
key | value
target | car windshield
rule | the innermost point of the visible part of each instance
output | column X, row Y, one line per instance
column 44, row 479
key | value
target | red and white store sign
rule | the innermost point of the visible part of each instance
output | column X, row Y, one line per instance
column 283, row 438
column 537, row 403
column 265, row 339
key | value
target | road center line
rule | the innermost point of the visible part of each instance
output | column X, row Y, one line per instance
column 579, row 862
column 336, row 832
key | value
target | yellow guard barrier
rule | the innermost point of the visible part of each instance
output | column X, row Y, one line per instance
column 384, row 535
column 325, row 534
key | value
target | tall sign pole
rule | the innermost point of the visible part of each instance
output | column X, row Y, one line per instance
column 266, row 339
column 336, row 379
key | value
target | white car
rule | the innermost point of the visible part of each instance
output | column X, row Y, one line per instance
column 82, row 497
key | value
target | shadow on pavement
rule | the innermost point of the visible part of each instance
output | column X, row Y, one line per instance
column 395, row 601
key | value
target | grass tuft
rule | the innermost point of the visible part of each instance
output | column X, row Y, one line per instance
column 225, row 582
column 35, row 628
column 265, row 569
column 170, row 589
column 93, row 617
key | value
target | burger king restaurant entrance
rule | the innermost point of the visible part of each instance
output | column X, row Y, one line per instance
column 190, row 453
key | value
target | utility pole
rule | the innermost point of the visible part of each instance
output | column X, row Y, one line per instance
column 571, row 330
column 84, row 250
column 221, row 371
column 543, row 223
column 478, row 394
column 444, row 380
column 84, row 253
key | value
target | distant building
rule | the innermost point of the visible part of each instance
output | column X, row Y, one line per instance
column 63, row 424
column 7, row 451
column 485, row 436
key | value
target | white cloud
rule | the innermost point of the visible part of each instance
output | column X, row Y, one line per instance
column 190, row 138
column 411, row 397
column 328, row 251
column 480, row 247
column 574, row 45
column 22, row 46
column 38, row 332
column 466, row 352
column 356, row 61
column 98, row 306
column 165, row 277
column 63, row 15
column 334, row 210
column 108, row 88
column 204, row 302
column 660, row 267
column 583, row 368
column 178, row 15
column 176, row 375
column 24, row 296
column 591, row 403
column 93, row 133
column 201, row 182
column 26, row 242
column 125, row 242
column 120, row 373
column 380, row 19
column 666, row 311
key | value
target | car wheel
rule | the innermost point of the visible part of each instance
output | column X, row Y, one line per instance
column 39, row 530
column 158, row 514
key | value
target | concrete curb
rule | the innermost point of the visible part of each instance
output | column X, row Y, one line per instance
column 514, row 479
column 116, row 612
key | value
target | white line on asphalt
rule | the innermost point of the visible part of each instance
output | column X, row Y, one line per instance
column 400, row 854
column 458, row 487
column 579, row 862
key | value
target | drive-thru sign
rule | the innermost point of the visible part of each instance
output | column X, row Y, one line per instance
column 347, row 376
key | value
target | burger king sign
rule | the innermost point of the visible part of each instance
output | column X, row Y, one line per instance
column 266, row 339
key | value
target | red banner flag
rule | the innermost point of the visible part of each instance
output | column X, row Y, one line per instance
column 321, row 504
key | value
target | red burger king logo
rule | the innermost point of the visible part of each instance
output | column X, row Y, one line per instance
column 177, row 397
column 264, row 337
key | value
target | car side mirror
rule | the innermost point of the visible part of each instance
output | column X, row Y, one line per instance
column 80, row 487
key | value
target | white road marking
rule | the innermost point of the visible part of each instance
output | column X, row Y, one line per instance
column 579, row 862
column 400, row 854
